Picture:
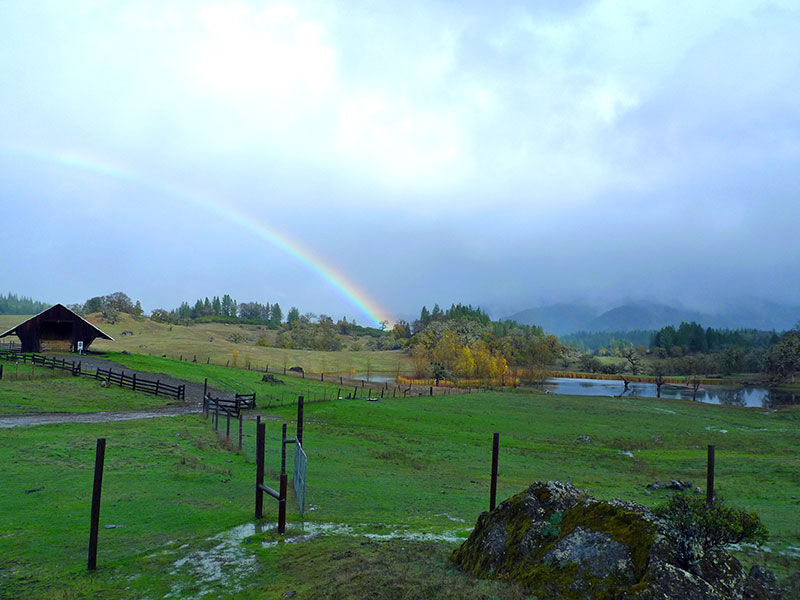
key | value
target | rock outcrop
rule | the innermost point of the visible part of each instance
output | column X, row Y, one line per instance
column 561, row 543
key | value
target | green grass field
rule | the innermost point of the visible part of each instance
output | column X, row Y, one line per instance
column 58, row 391
column 411, row 473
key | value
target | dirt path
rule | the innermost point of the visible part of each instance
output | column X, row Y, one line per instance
column 96, row 417
column 193, row 404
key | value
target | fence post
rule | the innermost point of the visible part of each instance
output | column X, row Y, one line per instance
column 283, row 449
column 260, row 427
column 158, row 384
column 322, row 376
column 240, row 432
column 134, row 382
column 493, row 486
column 94, row 528
column 282, row 506
column 431, row 390
column 710, row 476
column 205, row 387
column 340, row 380
column 355, row 391
column 300, row 402
column 227, row 425
column 1, row 371
column 216, row 416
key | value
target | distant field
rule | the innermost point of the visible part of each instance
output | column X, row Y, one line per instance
column 394, row 467
column 212, row 341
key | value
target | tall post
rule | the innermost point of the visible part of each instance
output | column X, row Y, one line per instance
column 300, row 402
column 134, row 382
column 240, row 432
column 227, row 425
column 283, row 449
column 493, row 487
column 216, row 416
column 282, row 506
column 205, row 387
column 710, row 476
column 99, row 461
column 260, row 435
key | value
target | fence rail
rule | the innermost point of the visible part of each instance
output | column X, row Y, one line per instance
column 137, row 384
column 42, row 361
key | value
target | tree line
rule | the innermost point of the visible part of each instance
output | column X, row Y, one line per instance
column 464, row 343
column 692, row 338
column 11, row 304
column 225, row 309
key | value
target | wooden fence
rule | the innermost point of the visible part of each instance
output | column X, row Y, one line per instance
column 137, row 384
column 230, row 408
column 42, row 361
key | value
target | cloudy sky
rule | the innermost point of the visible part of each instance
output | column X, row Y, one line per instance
column 392, row 154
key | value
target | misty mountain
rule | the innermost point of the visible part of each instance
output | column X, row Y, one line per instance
column 557, row 319
column 562, row 319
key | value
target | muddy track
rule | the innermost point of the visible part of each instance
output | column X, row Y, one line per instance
column 192, row 405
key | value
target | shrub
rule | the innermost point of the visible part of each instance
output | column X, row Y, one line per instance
column 697, row 527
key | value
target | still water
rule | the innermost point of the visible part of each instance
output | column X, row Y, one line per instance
column 740, row 396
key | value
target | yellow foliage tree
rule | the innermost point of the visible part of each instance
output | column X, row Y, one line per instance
column 465, row 367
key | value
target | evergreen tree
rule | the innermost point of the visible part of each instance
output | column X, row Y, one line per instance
column 276, row 316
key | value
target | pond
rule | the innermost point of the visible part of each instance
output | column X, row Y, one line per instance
column 712, row 394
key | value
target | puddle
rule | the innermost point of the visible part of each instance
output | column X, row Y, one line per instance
column 223, row 566
column 229, row 561
column 310, row 531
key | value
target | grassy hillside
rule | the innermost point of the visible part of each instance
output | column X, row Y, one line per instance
column 414, row 468
column 216, row 342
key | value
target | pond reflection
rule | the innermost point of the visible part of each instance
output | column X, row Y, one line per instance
column 741, row 396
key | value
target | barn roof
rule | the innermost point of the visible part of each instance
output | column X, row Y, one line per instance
column 43, row 314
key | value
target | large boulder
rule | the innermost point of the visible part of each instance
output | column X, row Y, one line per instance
column 561, row 543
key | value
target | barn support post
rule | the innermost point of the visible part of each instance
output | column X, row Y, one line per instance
column 94, row 527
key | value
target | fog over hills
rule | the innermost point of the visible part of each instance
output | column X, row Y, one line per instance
column 564, row 318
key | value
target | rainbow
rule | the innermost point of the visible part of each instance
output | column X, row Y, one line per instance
column 355, row 296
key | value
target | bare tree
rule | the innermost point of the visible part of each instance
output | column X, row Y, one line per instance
column 634, row 358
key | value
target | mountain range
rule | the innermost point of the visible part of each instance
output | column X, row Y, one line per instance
column 565, row 318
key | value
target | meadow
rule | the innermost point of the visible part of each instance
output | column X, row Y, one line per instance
column 393, row 486
column 233, row 345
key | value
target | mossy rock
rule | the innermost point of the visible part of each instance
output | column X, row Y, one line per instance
column 561, row 543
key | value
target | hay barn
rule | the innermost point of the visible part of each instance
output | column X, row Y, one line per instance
column 57, row 328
